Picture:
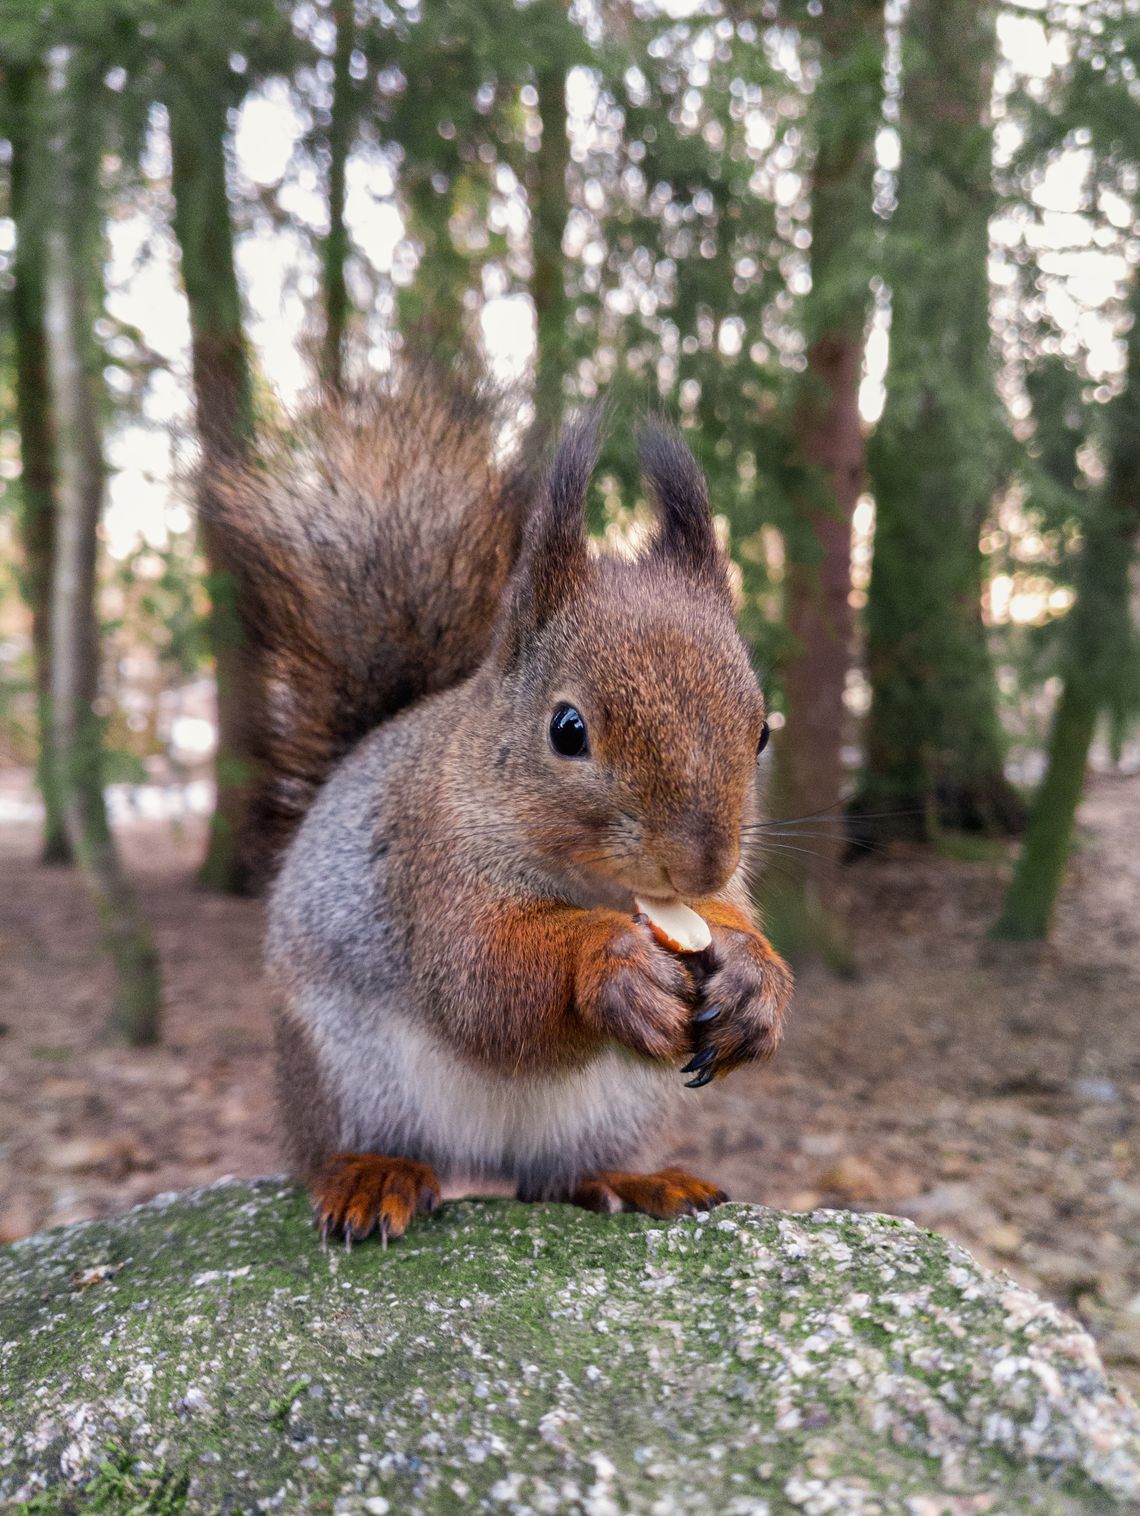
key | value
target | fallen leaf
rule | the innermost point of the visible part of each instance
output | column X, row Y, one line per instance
column 99, row 1273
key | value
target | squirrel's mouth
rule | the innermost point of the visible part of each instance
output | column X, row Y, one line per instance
column 615, row 884
column 655, row 887
column 618, row 869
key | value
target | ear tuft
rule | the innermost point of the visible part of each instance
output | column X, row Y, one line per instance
column 686, row 535
column 563, row 513
column 554, row 555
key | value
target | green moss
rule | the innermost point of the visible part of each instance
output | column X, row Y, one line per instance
column 540, row 1357
column 970, row 847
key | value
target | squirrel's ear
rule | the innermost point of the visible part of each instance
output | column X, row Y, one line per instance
column 686, row 535
column 554, row 543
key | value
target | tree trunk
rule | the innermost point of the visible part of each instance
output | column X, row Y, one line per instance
column 1041, row 865
column 431, row 312
column 1101, row 657
column 72, row 246
column 334, row 249
column 802, row 899
column 223, row 400
column 546, row 190
column 26, row 129
column 934, row 745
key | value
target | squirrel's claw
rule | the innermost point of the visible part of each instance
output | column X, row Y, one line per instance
column 703, row 1063
column 699, row 1061
column 356, row 1194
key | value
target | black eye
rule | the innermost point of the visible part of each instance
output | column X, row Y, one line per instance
column 568, row 733
column 765, row 733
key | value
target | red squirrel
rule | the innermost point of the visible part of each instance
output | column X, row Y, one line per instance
column 483, row 740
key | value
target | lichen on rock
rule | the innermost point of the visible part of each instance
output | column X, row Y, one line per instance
column 202, row 1353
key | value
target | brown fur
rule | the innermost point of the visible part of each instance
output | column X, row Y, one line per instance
column 308, row 1124
column 545, row 985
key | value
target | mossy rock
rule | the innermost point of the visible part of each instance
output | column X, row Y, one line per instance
column 203, row 1354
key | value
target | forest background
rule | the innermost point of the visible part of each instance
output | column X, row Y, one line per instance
column 878, row 261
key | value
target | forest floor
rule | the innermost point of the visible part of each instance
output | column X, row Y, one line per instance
column 993, row 1095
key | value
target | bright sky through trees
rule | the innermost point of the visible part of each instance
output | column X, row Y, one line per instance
column 279, row 272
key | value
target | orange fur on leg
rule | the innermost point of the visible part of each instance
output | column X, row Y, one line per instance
column 356, row 1192
column 668, row 1193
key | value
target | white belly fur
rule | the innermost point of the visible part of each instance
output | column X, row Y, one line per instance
column 400, row 1089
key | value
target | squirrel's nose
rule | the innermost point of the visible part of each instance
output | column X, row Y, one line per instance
column 702, row 866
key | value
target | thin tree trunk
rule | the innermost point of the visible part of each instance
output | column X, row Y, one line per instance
column 802, row 899
column 223, row 399
column 26, row 127
column 334, row 249
column 803, row 903
column 1044, row 855
column 1100, row 650
column 72, row 242
column 546, row 189
column 934, row 747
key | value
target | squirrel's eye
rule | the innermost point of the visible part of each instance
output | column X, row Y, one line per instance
column 765, row 733
column 568, row 733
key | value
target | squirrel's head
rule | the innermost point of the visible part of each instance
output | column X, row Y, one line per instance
column 634, row 717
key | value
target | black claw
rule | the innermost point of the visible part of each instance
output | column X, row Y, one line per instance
column 699, row 1060
column 703, row 1078
column 708, row 1014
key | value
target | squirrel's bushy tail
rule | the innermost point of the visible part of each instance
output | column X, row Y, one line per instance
column 369, row 545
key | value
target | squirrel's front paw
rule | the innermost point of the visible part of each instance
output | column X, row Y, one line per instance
column 743, row 1000
column 636, row 992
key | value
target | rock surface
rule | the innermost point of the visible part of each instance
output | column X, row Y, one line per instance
column 202, row 1354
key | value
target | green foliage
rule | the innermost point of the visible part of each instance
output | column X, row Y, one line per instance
column 681, row 292
column 1098, row 648
column 1092, row 106
column 119, row 1487
column 675, row 261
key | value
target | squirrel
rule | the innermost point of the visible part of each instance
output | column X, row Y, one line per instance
column 483, row 738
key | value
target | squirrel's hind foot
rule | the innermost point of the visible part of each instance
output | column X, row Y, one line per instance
column 356, row 1193
column 668, row 1193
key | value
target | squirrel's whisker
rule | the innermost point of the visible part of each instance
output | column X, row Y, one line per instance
column 787, row 847
column 762, row 837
